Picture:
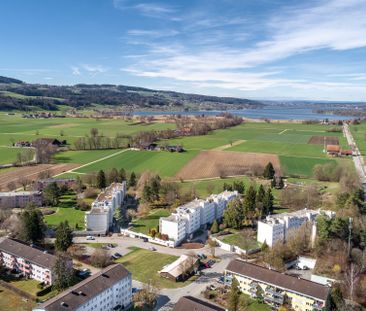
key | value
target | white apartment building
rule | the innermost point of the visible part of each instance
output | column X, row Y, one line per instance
column 29, row 261
column 20, row 199
column 192, row 216
column 100, row 217
column 108, row 290
column 276, row 228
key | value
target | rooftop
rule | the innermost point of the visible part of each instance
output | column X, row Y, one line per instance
column 18, row 193
column 82, row 292
column 194, row 304
column 109, row 192
column 275, row 278
column 34, row 255
column 175, row 268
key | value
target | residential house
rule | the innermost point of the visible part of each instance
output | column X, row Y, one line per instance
column 180, row 269
column 20, row 199
column 194, row 304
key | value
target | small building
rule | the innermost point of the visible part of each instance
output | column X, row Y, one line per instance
column 29, row 261
column 333, row 150
column 276, row 288
column 180, row 269
column 50, row 142
column 346, row 152
column 22, row 144
column 108, row 290
column 189, row 303
column 20, row 199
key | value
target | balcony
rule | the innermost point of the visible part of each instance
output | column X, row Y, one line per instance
column 318, row 305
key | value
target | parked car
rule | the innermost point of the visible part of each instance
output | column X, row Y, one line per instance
column 84, row 273
column 211, row 262
column 90, row 237
column 305, row 268
column 152, row 248
column 111, row 245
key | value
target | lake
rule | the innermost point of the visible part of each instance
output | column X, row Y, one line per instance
column 274, row 113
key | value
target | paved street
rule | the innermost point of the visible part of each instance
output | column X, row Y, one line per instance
column 357, row 158
column 168, row 297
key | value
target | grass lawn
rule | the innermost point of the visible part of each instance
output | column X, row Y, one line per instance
column 144, row 224
column 66, row 211
column 164, row 163
column 144, row 266
column 82, row 156
column 235, row 239
column 11, row 301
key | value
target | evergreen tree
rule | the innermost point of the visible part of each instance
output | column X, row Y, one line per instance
column 239, row 186
column 51, row 194
column 234, row 215
column 133, row 180
column 259, row 201
column 281, row 184
column 63, row 272
column 147, row 193
column 155, row 186
column 122, row 175
column 249, row 200
column 234, row 295
column 268, row 202
column 227, row 187
column 63, row 237
column 101, row 180
column 32, row 225
column 79, row 184
column 214, row 227
column 269, row 171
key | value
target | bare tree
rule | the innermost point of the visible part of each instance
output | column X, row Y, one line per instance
column 100, row 258
column 24, row 181
column 355, row 269
column 11, row 186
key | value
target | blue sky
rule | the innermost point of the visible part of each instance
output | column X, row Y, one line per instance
column 245, row 48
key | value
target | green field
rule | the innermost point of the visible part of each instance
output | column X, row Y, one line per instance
column 144, row 224
column 82, row 156
column 8, row 155
column 235, row 239
column 66, row 211
column 359, row 135
column 11, row 301
column 164, row 163
column 144, row 266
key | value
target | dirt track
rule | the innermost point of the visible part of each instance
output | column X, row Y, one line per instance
column 31, row 172
column 319, row 140
column 208, row 164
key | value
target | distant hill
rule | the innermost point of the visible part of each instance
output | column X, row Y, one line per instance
column 18, row 95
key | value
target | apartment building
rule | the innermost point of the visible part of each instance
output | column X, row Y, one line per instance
column 108, row 290
column 277, row 227
column 100, row 217
column 31, row 262
column 40, row 184
column 194, row 215
column 20, row 199
column 192, row 303
column 277, row 288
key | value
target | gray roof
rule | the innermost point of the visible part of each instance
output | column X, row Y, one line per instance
column 84, row 291
column 189, row 303
column 33, row 255
column 273, row 277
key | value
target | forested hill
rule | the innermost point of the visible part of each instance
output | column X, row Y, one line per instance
column 18, row 95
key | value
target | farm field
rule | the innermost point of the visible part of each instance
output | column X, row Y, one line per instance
column 222, row 163
column 144, row 224
column 165, row 163
column 144, row 266
column 82, row 156
column 8, row 155
column 358, row 133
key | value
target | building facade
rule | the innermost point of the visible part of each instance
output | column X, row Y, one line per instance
column 100, row 217
column 276, row 228
column 194, row 215
column 39, row 185
column 277, row 289
column 29, row 261
column 20, row 199
column 108, row 290
column 192, row 303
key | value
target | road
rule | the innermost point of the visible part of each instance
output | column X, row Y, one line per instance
column 168, row 297
column 357, row 157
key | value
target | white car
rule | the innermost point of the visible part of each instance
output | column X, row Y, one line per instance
column 90, row 237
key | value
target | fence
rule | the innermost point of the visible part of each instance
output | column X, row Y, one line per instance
column 150, row 239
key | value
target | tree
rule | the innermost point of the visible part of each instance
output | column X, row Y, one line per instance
column 249, row 200
column 146, row 297
column 233, row 215
column 101, row 180
column 63, row 272
column 214, row 227
column 100, row 258
column 122, row 175
column 259, row 201
column 24, row 181
column 32, row 225
column 51, row 194
column 239, row 186
column 234, row 295
column 269, row 171
column 268, row 202
column 133, row 180
column 63, row 237
column 113, row 176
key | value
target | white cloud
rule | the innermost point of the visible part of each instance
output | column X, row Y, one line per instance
column 150, row 9
column 332, row 25
column 94, row 69
column 75, row 71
